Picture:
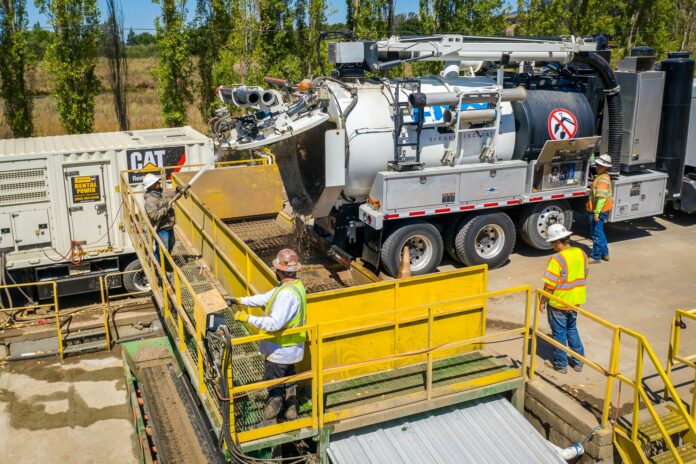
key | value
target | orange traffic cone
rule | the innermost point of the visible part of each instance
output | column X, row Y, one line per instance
column 405, row 267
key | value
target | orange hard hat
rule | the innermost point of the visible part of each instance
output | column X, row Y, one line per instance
column 287, row 261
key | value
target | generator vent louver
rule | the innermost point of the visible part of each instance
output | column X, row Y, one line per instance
column 24, row 186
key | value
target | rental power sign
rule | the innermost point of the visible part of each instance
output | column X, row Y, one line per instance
column 154, row 159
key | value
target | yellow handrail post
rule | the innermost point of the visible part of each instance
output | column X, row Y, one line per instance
column 179, row 319
column 102, row 285
column 636, row 393
column 613, row 370
column 315, row 368
column 320, row 372
column 57, row 313
column 535, row 342
column 429, row 371
column 525, row 341
column 199, row 317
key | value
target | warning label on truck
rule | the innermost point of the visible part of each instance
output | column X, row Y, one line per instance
column 85, row 188
column 562, row 124
column 152, row 160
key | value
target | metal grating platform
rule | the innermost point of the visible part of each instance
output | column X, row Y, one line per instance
column 397, row 382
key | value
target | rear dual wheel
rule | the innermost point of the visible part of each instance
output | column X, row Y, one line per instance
column 481, row 238
column 536, row 219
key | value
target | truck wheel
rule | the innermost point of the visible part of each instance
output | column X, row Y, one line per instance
column 425, row 245
column 536, row 219
column 135, row 281
column 486, row 238
column 449, row 235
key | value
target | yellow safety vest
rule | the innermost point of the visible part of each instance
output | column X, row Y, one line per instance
column 298, row 320
column 601, row 188
column 566, row 274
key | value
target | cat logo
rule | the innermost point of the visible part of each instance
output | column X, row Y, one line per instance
column 154, row 160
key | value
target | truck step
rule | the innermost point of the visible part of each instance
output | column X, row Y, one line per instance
column 686, row 452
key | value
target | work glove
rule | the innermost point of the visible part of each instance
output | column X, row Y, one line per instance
column 241, row 316
column 179, row 190
column 232, row 301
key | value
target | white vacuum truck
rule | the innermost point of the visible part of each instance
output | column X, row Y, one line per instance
column 498, row 144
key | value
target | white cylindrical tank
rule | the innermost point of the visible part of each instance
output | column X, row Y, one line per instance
column 369, row 125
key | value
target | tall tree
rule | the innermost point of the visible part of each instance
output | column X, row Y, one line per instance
column 212, row 25
column 71, row 59
column 174, row 64
column 14, row 65
column 115, row 51
column 369, row 18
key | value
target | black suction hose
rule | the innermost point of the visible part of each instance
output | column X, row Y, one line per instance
column 612, row 92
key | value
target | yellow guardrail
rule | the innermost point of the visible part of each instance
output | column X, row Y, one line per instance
column 612, row 372
column 107, row 298
column 14, row 314
column 674, row 356
column 320, row 336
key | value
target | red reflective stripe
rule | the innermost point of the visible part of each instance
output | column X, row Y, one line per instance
column 443, row 210
column 514, row 202
column 579, row 194
column 467, row 207
column 391, row 216
column 489, row 205
column 417, row 213
column 536, row 198
column 557, row 196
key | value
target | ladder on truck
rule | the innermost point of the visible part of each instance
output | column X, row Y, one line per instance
column 400, row 123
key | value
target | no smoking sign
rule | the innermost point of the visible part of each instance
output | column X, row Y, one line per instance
column 562, row 124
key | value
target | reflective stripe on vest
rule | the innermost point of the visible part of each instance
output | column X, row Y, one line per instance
column 298, row 320
column 606, row 192
column 571, row 283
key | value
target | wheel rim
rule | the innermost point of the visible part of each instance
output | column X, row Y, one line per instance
column 141, row 282
column 420, row 250
column 490, row 241
column 550, row 215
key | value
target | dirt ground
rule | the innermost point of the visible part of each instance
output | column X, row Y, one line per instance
column 652, row 272
column 74, row 412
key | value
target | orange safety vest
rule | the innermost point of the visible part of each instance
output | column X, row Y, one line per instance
column 601, row 188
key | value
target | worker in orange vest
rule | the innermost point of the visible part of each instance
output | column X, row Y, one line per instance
column 599, row 204
column 564, row 279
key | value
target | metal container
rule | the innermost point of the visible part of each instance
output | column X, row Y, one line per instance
column 63, row 189
column 690, row 160
column 641, row 99
column 638, row 195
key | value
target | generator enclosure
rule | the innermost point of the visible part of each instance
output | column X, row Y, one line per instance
column 638, row 195
column 63, row 189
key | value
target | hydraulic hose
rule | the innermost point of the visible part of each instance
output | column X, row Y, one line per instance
column 612, row 92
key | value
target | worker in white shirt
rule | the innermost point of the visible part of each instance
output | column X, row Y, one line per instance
column 285, row 307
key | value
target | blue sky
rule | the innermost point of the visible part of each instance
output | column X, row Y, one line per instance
column 140, row 14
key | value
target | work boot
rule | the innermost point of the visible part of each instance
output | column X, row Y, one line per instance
column 271, row 411
column 291, row 403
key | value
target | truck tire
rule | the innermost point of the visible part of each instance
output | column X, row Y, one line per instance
column 536, row 219
column 426, row 248
column 485, row 238
column 135, row 281
column 449, row 235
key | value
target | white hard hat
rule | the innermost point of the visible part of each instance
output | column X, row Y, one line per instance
column 557, row 232
column 149, row 180
column 604, row 160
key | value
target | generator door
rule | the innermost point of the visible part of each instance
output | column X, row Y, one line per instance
column 86, row 187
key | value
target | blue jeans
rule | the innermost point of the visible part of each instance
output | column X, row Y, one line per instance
column 600, row 247
column 565, row 331
column 167, row 237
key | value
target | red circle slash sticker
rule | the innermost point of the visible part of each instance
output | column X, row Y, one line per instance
column 562, row 124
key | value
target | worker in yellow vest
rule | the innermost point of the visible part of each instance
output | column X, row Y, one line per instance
column 565, row 279
column 285, row 307
column 599, row 204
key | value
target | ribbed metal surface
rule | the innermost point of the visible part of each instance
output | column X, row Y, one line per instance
column 485, row 431
column 99, row 141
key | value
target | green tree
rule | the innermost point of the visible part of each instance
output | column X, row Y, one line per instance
column 369, row 18
column 174, row 64
column 71, row 58
column 213, row 24
column 14, row 65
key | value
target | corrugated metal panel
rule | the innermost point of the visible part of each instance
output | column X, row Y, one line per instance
column 485, row 431
column 99, row 141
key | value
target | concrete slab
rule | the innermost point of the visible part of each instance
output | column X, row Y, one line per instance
column 75, row 411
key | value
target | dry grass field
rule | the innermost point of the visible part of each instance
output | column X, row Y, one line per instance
column 143, row 102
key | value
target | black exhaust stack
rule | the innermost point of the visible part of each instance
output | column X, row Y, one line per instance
column 674, row 122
